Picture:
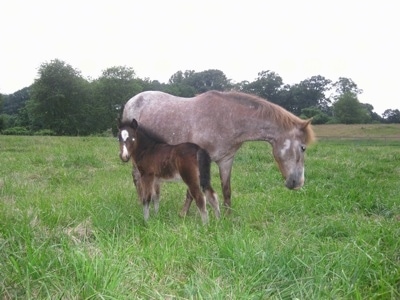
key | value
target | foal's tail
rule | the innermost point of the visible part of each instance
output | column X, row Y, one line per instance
column 204, row 161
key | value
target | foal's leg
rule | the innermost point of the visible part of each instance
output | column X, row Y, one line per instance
column 146, row 184
column 136, row 181
column 212, row 198
column 146, row 207
column 200, row 199
column 156, row 196
column 187, row 204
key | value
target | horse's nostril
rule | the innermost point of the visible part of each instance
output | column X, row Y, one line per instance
column 292, row 184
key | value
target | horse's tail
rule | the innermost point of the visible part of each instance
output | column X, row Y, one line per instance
column 204, row 161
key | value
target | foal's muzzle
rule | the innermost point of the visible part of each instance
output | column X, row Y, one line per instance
column 124, row 154
column 124, row 158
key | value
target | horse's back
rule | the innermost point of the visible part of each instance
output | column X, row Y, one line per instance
column 148, row 100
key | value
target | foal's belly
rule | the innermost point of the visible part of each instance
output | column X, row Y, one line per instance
column 176, row 177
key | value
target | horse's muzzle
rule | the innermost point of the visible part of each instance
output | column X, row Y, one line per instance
column 294, row 182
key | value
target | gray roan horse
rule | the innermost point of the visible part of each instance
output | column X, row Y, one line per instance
column 158, row 161
column 220, row 122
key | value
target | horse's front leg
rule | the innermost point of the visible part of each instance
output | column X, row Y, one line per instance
column 225, row 168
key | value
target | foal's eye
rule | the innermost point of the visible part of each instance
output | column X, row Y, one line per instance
column 303, row 148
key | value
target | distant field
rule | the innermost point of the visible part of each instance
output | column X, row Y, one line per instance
column 380, row 131
column 71, row 226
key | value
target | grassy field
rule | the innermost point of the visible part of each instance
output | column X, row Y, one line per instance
column 71, row 226
column 364, row 131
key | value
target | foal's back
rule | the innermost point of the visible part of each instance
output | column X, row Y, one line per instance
column 167, row 161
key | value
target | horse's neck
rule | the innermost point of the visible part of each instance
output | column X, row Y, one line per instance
column 259, row 130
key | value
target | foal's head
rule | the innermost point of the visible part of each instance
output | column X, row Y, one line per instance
column 127, row 136
column 288, row 150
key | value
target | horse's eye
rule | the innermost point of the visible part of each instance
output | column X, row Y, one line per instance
column 303, row 148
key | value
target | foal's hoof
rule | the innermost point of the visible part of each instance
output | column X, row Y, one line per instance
column 182, row 214
column 227, row 210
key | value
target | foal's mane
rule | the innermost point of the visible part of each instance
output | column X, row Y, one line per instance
column 271, row 111
column 147, row 133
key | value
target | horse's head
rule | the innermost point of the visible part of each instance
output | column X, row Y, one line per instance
column 127, row 137
column 288, row 150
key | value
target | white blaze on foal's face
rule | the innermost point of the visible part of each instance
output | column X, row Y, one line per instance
column 124, row 137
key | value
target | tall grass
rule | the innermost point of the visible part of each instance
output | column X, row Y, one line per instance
column 71, row 227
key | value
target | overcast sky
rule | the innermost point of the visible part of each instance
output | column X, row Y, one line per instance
column 296, row 39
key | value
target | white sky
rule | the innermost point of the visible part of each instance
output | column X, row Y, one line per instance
column 357, row 39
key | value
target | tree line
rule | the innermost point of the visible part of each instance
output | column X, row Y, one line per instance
column 62, row 102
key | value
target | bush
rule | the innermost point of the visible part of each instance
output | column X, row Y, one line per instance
column 16, row 131
column 2, row 122
column 45, row 132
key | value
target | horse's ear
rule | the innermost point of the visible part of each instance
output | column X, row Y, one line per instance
column 307, row 128
column 306, row 123
column 134, row 124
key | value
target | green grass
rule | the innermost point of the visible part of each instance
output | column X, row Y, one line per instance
column 71, row 226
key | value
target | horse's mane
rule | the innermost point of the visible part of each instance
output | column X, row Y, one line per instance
column 272, row 111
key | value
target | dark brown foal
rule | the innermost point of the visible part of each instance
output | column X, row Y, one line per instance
column 158, row 161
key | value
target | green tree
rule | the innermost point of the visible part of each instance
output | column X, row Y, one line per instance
column 311, row 93
column 268, row 85
column 372, row 116
column 206, row 81
column 391, row 116
column 14, row 102
column 1, row 103
column 180, row 77
column 318, row 117
column 348, row 110
column 58, row 99
column 180, row 85
column 112, row 90
column 345, row 85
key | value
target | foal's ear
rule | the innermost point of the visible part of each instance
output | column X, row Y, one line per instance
column 134, row 124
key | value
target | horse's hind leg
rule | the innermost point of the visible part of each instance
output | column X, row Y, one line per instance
column 186, row 206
